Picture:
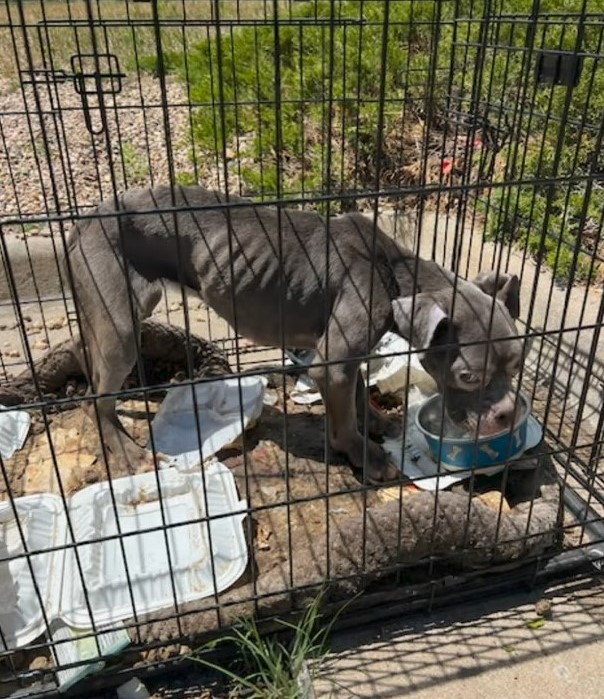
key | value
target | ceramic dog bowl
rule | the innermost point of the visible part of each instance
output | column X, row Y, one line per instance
column 458, row 450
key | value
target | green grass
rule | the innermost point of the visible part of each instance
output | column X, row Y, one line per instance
column 267, row 668
column 422, row 43
column 136, row 166
column 243, row 63
column 232, row 80
column 30, row 227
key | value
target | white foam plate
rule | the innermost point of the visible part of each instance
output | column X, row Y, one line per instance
column 158, row 516
column 164, row 568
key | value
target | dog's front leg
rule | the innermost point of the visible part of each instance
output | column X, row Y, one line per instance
column 337, row 384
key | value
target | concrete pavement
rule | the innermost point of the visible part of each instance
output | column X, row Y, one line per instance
column 489, row 648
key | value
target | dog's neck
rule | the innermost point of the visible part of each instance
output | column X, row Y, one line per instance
column 414, row 275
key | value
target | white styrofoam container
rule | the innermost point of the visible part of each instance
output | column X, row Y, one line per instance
column 14, row 426
column 121, row 575
column 224, row 410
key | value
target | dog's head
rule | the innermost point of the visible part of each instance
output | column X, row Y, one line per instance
column 470, row 346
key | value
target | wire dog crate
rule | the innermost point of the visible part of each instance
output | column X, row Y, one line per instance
column 469, row 132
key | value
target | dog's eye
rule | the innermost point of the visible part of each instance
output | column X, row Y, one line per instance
column 512, row 369
column 469, row 378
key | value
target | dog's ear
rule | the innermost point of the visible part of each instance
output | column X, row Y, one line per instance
column 505, row 287
column 429, row 320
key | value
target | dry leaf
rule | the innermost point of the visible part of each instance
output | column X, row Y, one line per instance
column 495, row 499
column 75, row 459
column 262, row 536
column 40, row 662
column 536, row 623
column 237, row 443
column 56, row 323
column 394, row 492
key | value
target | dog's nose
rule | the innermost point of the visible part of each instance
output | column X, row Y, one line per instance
column 504, row 412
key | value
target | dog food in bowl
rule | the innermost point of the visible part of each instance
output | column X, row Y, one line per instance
column 460, row 449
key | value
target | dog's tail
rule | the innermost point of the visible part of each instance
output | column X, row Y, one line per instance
column 71, row 243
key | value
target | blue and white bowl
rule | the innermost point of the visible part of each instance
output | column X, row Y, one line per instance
column 468, row 452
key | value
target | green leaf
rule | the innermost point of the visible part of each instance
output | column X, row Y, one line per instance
column 536, row 623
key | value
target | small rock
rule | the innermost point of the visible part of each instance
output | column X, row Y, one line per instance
column 133, row 689
column 270, row 492
column 11, row 353
column 544, row 608
column 40, row 662
column 40, row 344
column 56, row 323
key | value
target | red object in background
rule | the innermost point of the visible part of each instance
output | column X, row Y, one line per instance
column 447, row 165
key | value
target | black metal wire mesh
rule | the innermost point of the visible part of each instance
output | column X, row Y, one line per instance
column 470, row 132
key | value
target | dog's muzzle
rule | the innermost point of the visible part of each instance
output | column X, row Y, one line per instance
column 494, row 417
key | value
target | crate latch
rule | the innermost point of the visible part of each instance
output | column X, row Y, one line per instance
column 559, row 68
column 92, row 74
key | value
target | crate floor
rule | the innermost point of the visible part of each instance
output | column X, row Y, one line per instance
column 310, row 522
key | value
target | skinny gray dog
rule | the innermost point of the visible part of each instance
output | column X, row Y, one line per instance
column 264, row 271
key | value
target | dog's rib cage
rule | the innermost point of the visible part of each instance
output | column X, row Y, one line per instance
column 469, row 132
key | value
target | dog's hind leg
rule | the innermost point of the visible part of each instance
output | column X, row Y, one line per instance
column 120, row 352
column 109, row 335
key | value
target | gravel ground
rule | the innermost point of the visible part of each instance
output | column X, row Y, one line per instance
column 54, row 163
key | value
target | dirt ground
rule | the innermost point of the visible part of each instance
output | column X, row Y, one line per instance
column 282, row 476
column 265, row 475
column 272, row 468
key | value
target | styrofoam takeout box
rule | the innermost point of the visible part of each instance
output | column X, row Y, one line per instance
column 123, row 576
column 14, row 426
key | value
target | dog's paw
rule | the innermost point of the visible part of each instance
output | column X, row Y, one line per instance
column 379, row 468
column 384, row 473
